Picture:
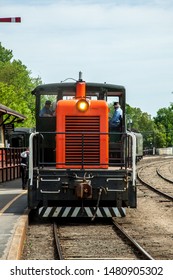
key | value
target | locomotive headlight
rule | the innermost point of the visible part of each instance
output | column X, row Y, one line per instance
column 82, row 105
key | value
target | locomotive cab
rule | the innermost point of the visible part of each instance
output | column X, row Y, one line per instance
column 78, row 166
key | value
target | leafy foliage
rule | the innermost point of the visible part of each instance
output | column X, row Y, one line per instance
column 16, row 85
column 164, row 121
column 5, row 55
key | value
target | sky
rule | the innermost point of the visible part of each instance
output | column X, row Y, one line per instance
column 127, row 43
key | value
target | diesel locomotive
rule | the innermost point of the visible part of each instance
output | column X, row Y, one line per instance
column 78, row 165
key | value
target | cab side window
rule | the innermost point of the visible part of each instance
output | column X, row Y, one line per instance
column 47, row 106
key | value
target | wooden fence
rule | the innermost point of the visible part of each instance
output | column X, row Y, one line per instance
column 10, row 163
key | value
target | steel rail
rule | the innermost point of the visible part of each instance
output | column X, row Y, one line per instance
column 133, row 241
column 153, row 188
column 158, row 170
column 57, row 242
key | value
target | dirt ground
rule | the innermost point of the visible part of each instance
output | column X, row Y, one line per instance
column 151, row 223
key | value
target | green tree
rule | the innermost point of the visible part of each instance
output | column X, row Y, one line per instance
column 16, row 85
column 164, row 123
column 5, row 55
column 8, row 97
column 153, row 134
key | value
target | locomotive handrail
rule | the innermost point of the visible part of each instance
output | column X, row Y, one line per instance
column 31, row 156
column 82, row 132
column 127, row 134
column 133, row 157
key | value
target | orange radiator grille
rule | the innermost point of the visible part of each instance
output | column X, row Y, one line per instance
column 82, row 143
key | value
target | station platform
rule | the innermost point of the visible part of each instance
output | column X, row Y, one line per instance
column 13, row 218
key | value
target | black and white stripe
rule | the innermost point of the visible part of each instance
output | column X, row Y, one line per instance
column 70, row 212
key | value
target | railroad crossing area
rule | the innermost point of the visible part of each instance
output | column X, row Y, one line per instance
column 13, row 220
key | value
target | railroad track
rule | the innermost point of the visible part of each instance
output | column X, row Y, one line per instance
column 158, row 178
column 96, row 241
column 165, row 171
column 85, row 242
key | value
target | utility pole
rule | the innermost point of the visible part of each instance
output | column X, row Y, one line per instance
column 11, row 19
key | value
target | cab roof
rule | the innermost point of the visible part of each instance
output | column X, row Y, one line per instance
column 91, row 88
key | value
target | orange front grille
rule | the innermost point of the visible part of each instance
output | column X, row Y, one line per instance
column 82, row 140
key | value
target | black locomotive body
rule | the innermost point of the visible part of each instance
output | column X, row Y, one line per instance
column 78, row 166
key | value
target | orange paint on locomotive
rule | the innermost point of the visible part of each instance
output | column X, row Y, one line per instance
column 82, row 136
